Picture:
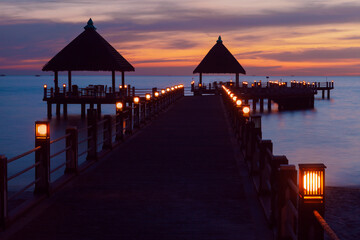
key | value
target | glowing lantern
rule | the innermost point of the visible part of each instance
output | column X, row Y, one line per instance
column 64, row 85
column 231, row 95
column 42, row 130
column 162, row 91
column 45, row 86
column 238, row 103
column 172, row 88
column 156, row 94
column 148, row 96
column 119, row 106
column 136, row 100
column 176, row 87
column 234, row 98
column 246, row 111
column 168, row 89
column 312, row 182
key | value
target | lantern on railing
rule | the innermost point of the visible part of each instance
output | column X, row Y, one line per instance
column 167, row 89
column 234, row 98
column 311, row 198
column 45, row 86
column 238, row 103
column 148, row 97
column 312, row 182
column 246, row 111
column 156, row 94
column 162, row 91
column 119, row 106
column 172, row 88
column 42, row 130
column 136, row 100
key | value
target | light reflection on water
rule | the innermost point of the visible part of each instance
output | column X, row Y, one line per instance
column 328, row 134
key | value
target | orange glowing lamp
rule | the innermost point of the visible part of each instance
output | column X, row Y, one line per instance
column 148, row 96
column 246, row 111
column 162, row 91
column 234, row 98
column 64, row 85
column 119, row 106
column 172, row 88
column 238, row 103
column 42, row 130
column 312, row 182
column 136, row 100
column 176, row 87
column 45, row 86
column 156, row 94
column 231, row 95
column 168, row 89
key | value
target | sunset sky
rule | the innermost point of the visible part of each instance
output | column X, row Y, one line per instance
column 300, row 37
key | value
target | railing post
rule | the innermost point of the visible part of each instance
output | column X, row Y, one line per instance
column 42, row 157
column 92, row 135
column 72, row 150
column 3, row 191
column 119, row 122
column 107, row 133
column 264, row 145
column 136, row 116
column 286, row 195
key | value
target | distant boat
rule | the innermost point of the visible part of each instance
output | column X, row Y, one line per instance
column 2, row 75
column 37, row 75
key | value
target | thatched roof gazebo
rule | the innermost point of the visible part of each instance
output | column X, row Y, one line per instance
column 88, row 52
column 219, row 60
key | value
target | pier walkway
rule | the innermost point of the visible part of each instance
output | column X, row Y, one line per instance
column 178, row 178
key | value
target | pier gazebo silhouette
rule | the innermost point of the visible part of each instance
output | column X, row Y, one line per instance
column 219, row 60
column 88, row 52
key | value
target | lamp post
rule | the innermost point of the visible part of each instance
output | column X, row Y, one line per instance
column 119, row 121
column 42, row 157
column 311, row 198
column 136, row 112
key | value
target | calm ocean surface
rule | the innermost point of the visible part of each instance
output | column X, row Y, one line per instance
column 328, row 134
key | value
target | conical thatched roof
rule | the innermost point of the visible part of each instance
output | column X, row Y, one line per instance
column 88, row 52
column 219, row 60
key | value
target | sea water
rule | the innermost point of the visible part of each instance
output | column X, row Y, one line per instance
column 329, row 133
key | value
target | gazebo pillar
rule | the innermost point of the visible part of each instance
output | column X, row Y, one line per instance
column 56, row 81
column 200, row 79
column 113, row 81
column 237, row 80
column 69, row 81
column 123, row 79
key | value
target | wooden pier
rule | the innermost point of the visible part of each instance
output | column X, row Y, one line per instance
column 292, row 96
column 198, row 171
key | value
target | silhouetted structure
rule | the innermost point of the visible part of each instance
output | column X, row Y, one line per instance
column 219, row 60
column 88, row 52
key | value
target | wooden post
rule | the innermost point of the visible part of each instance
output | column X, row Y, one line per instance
column 123, row 79
column 42, row 160
column 49, row 112
column 261, row 105
column 113, row 81
column 323, row 94
column 72, row 150
column 58, row 110
column 56, row 82
column 269, row 105
column 65, row 111
column 286, row 196
column 83, row 110
column 119, row 124
column 328, row 94
column 92, row 134
column 3, row 191
column 237, row 80
column 200, row 79
column 254, row 104
column 99, row 110
column 136, row 115
column 69, row 81
column 107, row 133
column 264, row 145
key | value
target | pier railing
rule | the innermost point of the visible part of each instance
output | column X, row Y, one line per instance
column 93, row 141
column 288, row 207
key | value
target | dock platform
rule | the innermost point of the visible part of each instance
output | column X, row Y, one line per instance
column 180, row 177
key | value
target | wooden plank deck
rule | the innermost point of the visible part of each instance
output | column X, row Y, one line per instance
column 181, row 177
